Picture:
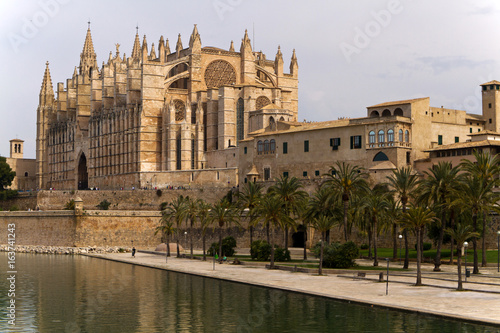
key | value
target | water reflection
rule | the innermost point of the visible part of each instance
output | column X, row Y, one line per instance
column 81, row 294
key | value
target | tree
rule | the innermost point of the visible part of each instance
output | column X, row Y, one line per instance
column 346, row 180
column 6, row 174
column 289, row 192
column 222, row 213
column 203, row 215
column 272, row 212
column 176, row 212
column 192, row 207
column 167, row 228
column 461, row 233
column 248, row 199
column 416, row 219
column 323, row 223
column 404, row 183
column 437, row 190
column 376, row 204
column 486, row 168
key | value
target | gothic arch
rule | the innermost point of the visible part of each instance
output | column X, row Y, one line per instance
column 261, row 101
column 83, row 176
column 386, row 113
column 374, row 114
column 398, row 112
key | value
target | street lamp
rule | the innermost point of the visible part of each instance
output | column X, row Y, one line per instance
column 185, row 240
column 400, row 240
column 498, row 251
column 465, row 247
column 387, row 283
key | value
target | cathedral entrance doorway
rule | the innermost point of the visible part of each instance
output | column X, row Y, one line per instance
column 83, row 176
column 299, row 237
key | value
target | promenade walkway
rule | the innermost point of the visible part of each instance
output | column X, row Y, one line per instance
column 438, row 296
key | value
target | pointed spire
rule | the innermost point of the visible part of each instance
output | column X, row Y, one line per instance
column 279, row 55
column 179, row 47
column 246, row 46
column 294, row 65
column 136, row 50
column 75, row 73
column 144, row 49
column 231, row 48
column 152, row 55
column 47, row 89
column 161, row 50
column 278, row 63
column 195, row 40
column 88, row 57
column 167, row 47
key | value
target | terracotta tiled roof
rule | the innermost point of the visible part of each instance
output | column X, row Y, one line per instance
column 470, row 144
column 407, row 101
column 484, row 133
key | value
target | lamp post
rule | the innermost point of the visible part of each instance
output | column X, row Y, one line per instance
column 387, row 283
column 498, row 251
column 185, row 241
column 465, row 247
column 400, row 239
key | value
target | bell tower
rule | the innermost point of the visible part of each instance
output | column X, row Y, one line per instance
column 490, row 92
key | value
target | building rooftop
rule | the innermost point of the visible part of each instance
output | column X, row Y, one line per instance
column 406, row 101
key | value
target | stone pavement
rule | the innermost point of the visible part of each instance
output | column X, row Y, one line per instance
column 438, row 296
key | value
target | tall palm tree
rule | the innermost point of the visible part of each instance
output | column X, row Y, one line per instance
column 176, row 211
column 323, row 223
column 376, row 204
column 289, row 192
column 167, row 228
column 223, row 213
column 272, row 212
column 487, row 168
column 203, row 216
column 248, row 199
column 476, row 195
column 346, row 180
column 461, row 233
column 192, row 207
column 416, row 219
column 404, row 183
column 322, row 203
column 436, row 190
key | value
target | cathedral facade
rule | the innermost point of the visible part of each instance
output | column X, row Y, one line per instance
column 159, row 117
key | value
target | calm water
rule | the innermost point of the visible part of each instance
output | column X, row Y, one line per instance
column 81, row 294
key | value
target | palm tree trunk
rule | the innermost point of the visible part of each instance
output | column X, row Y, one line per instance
column 484, row 263
column 251, row 235
column 375, row 260
column 191, row 239
column 178, row 250
column 320, row 272
column 220, row 243
column 168, row 246
column 475, row 270
column 459, row 268
column 204, row 246
column 346, row 206
column 419, row 273
column 370, row 243
column 407, row 251
column 437, row 261
column 452, row 225
column 394, row 243
column 286, row 238
column 267, row 233
column 305, row 243
column 327, row 236
column 272, row 249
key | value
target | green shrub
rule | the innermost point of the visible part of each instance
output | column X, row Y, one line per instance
column 8, row 194
column 104, row 205
column 228, row 245
column 427, row 246
column 337, row 255
column 14, row 208
column 364, row 246
column 70, row 205
column 260, row 250
column 163, row 205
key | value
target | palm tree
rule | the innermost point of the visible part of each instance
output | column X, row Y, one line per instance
column 272, row 212
column 376, row 204
column 346, row 180
column 404, row 182
column 203, row 215
column 192, row 207
column 167, row 228
column 176, row 211
column 476, row 195
column 436, row 190
column 416, row 219
column 486, row 168
column 222, row 213
column 289, row 192
column 248, row 199
column 323, row 223
column 461, row 233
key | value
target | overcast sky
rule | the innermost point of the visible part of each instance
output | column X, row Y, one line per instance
column 351, row 54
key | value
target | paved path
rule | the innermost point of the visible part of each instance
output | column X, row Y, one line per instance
column 438, row 296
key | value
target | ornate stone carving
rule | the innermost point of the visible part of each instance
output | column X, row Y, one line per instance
column 261, row 102
column 219, row 73
column 180, row 110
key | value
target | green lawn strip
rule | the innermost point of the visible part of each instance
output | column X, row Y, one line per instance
column 491, row 255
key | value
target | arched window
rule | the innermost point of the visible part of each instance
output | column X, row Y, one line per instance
column 400, row 135
column 26, row 174
column 240, row 122
column 266, row 146
column 271, row 122
column 380, row 157
column 260, row 147
column 272, row 145
column 386, row 113
column 398, row 112
column 381, row 136
column 390, row 137
column 371, row 137
column 407, row 136
column 374, row 114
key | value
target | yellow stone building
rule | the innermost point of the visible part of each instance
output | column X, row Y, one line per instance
column 25, row 168
column 159, row 117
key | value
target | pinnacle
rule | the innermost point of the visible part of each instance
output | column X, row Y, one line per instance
column 47, row 88
column 136, row 50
